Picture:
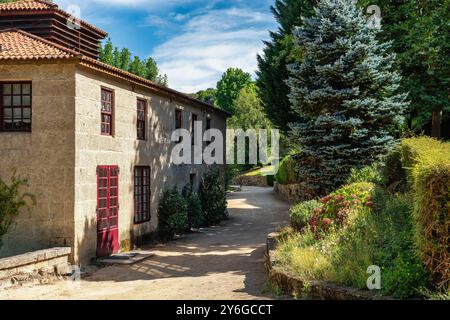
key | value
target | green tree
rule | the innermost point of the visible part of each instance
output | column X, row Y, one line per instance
column 209, row 96
column 125, row 59
column 151, row 69
column 248, row 111
column 106, row 53
column 278, row 53
column 346, row 92
column 229, row 87
column 116, row 58
column 137, row 67
column 420, row 34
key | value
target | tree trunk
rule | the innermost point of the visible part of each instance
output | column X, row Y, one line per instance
column 436, row 124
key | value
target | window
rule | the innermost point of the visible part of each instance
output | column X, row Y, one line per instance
column 194, row 119
column 107, row 112
column 208, row 127
column 141, row 118
column 178, row 119
column 193, row 181
column 141, row 194
column 15, row 106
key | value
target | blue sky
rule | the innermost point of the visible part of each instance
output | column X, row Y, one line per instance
column 193, row 41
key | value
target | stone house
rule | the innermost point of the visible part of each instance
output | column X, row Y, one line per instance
column 93, row 140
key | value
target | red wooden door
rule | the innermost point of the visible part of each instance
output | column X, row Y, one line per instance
column 107, row 210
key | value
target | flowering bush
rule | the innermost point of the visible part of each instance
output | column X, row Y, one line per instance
column 336, row 208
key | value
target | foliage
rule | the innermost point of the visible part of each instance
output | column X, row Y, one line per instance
column 12, row 199
column 372, row 173
column 338, row 207
column 376, row 236
column 213, row 197
column 345, row 91
column 420, row 38
column 248, row 112
column 229, row 87
column 278, row 53
column 194, row 208
column 427, row 162
column 302, row 213
column 208, row 96
column 287, row 172
column 122, row 59
column 172, row 214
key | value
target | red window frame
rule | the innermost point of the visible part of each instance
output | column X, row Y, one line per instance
column 142, row 194
column 107, row 112
column 141, row 124
column 16, row 106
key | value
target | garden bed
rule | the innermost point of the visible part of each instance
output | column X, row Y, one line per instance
column 293, row 285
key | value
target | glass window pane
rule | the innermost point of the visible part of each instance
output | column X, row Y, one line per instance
column 17, row 113
column 7, row 100
column 16, row 101
column 7, row 89
column 26, row 100
column 7, row 113
column 27, row 113
column 26, row 89
column 17, row 88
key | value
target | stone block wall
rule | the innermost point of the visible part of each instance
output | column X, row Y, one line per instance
column 46, row 157
column 124, row 150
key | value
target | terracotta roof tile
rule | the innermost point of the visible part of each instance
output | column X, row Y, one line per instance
column 20, row 45
column 27, row 5
column 42, row 5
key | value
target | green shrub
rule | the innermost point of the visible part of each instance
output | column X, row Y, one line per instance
column 337, row 209
column 372, row 173
column 427, row 164
column 302, row 213
column 382, row 237
column 213, row 197
column 172, row 214
column 194, row 208
column 12, row 199
column 393, row 173
column 287, row 171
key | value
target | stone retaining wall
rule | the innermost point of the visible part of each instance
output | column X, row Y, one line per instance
column 290, row 284
column 290, row 192
column 253, row 181
column 48, row 261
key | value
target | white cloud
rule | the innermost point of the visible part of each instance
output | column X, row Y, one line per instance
column 209, row 44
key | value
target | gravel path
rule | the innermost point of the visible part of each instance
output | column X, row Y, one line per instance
column 225, row 262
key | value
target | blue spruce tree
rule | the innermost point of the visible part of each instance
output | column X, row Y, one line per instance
column 345, row 89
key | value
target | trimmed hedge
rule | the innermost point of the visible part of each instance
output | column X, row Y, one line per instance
column 427, row 164
column 287, row 172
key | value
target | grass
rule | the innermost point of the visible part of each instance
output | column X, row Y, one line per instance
column 264, row 171
column 381, row 237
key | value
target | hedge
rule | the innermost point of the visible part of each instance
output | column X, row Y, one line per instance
column 427, row 165
column 287, row 172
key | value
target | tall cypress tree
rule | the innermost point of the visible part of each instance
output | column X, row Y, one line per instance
column 346, row 92
column 277, row 54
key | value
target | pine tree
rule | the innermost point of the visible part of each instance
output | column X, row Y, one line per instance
column 278, row 53
column 346, row 92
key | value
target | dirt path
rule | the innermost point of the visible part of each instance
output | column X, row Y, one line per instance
column 224, row 262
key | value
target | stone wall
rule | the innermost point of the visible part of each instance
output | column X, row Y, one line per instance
column 290, row 192
column 124, row 150
column 38, row 265
column 46, row 157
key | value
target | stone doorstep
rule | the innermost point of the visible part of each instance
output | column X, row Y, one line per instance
column 22, row 260
column 126, row 258
column 317, row 289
